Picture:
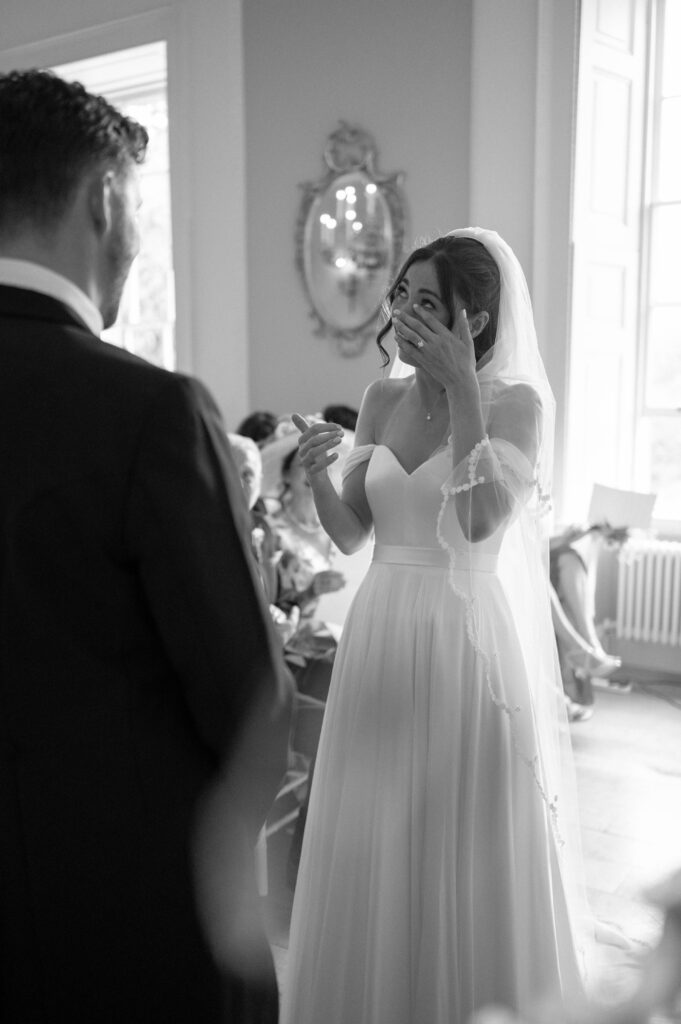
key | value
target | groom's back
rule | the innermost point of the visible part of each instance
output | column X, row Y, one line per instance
column 100, row 762
column 115, row 704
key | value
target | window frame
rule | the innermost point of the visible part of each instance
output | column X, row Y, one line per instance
column 650, row 205
column 128, row 76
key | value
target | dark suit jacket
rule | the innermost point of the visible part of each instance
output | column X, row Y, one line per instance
column 134, row 646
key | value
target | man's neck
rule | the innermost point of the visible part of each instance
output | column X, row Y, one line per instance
column 45, row 251
column 66, row 283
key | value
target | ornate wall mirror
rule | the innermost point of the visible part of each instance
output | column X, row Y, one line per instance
column 349, row 239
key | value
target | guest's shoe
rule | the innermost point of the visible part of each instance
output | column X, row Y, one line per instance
column 577, row 712
column 610, row 665
column 593, row 663
column 614, row 685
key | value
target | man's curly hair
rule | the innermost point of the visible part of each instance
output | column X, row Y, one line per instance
column 51, row 133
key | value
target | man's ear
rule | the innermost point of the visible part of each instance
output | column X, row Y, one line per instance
column 99, row 200
column 478, row 322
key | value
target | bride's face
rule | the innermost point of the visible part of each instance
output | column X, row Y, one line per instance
column 419, row 285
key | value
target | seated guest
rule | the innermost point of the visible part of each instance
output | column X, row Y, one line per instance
column 305, row 570
column 576, row 658
column 264, row 543
column 573, row 579
column 343, row 415
column 259, row 426
column 307, row 552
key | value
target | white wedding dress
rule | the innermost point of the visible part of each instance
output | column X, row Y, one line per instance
column 430, row 883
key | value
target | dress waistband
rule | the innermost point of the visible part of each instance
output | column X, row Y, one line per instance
column 437, row 557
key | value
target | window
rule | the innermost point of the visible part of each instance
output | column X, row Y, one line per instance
column 658, row 440
column 624, row 414
column 135, row 81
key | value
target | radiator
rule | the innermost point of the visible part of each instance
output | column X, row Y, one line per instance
column 648, row 620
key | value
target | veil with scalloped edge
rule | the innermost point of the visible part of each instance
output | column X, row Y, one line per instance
column 523, row 569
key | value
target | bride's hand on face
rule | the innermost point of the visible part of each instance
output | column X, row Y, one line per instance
column 316, row 444
column 446, row 354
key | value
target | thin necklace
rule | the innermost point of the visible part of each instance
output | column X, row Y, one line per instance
column 429, row 412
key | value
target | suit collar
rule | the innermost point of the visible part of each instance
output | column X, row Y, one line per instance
column 35, row 277
column 25, row 304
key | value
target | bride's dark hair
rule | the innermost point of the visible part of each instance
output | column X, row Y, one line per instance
column 464, row 267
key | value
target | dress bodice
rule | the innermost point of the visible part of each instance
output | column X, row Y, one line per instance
column 405, row 507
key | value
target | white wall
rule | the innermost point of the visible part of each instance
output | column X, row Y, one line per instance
column 558, row 40
column 399, row 69
column 503, row 126
column 522, row 128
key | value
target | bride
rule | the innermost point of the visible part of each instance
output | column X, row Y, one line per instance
column 437, row 872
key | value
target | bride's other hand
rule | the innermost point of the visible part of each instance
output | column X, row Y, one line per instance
column 316, row 444
column 447, row 355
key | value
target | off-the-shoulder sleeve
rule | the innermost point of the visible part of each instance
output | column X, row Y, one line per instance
column 504, row 461
column 361, row 453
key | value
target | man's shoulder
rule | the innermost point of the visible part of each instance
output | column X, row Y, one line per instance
column 116, row 367
column 119, row 360
column 96, row 372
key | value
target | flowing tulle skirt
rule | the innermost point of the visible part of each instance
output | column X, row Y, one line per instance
column 429, row 883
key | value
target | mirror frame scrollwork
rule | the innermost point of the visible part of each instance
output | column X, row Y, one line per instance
column 350, row 150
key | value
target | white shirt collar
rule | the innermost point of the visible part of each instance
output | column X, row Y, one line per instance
column 24, row 274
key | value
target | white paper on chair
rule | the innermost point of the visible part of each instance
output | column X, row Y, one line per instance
column 621, row 508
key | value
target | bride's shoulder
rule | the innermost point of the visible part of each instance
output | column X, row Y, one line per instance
column 519, row 398
column 520, row 392
column 386, row 392
column 516, row 416
column 380, row 399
